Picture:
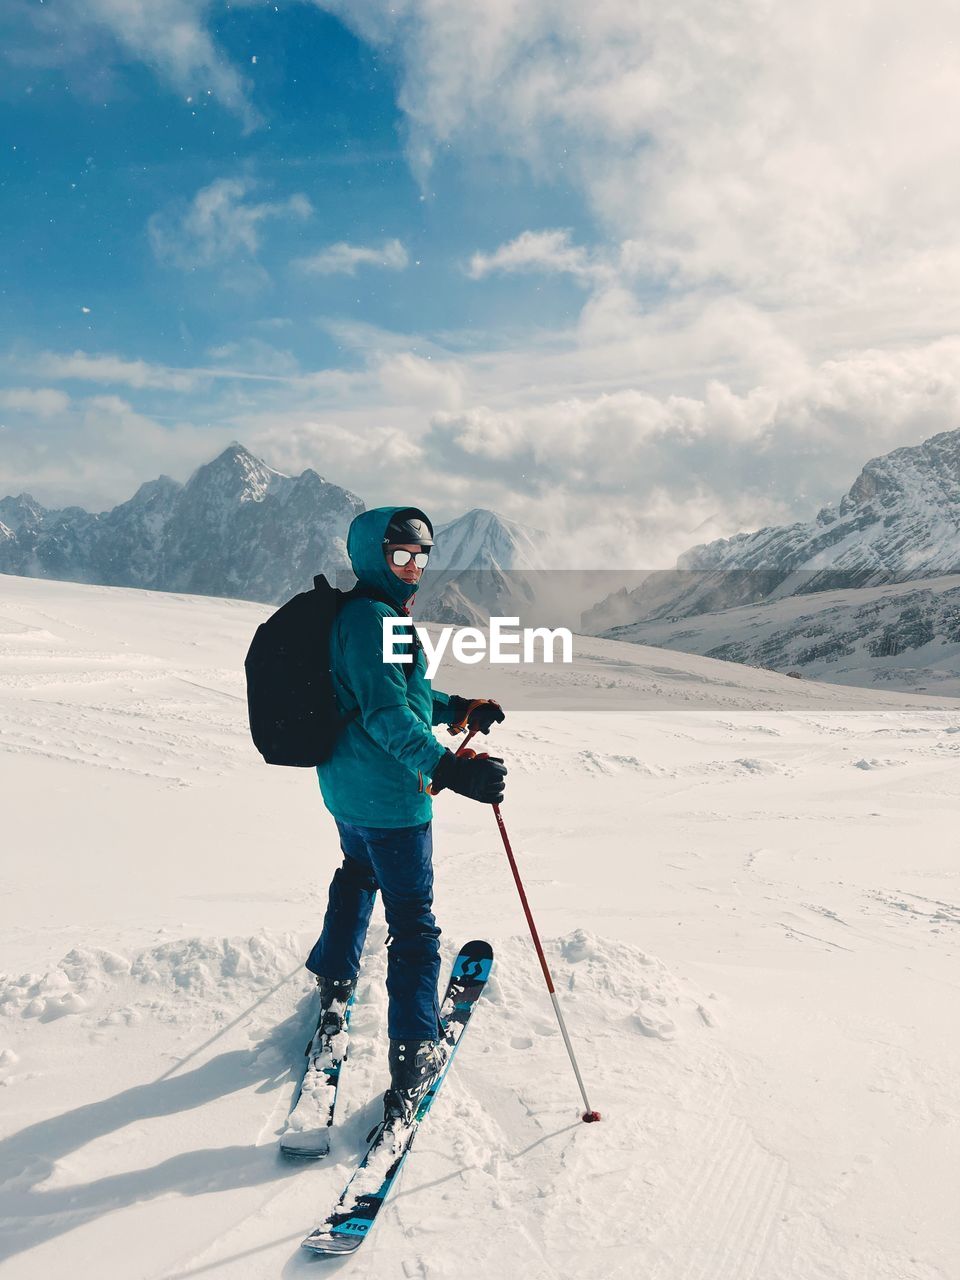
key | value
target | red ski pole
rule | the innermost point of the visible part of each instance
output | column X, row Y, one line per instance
column 589, row 1115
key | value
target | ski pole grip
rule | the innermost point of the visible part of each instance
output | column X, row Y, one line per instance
column 463, row 723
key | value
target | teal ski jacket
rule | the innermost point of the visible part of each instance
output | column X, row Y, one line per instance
column 378, row 773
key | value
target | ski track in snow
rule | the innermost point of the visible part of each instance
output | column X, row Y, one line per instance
column 747, row 895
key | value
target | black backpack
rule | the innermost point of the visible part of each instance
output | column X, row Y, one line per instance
column 294, row 717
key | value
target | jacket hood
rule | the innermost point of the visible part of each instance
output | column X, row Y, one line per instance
column 365, row 549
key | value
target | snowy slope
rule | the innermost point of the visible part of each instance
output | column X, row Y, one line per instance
column 747, row 889
column 903, row 636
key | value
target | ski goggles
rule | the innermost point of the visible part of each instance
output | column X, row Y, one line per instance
column 399, row 557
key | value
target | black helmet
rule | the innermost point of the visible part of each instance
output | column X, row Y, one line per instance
column 410, row 525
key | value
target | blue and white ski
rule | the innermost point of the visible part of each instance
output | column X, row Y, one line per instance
column 345, row 1229
column 307, row 1135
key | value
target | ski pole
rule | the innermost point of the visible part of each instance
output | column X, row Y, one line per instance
column 589, row 1115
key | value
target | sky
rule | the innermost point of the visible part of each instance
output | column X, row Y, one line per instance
column 637, row 275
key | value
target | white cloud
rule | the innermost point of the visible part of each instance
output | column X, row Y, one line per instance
column 218, row 225
column 409, row 378
column 43, row 402
column 99, row 451
column 169, row 36
column 343, row 258
column 550, row 252
column 272, row 323
column 558, row 436
column 111, row 369
column 258, row 361
column 616, row 466
column 641, row 475
column 255, row 356
column 332, row 445
column 794, row 156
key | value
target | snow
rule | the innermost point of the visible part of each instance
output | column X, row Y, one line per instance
column 307, row 1128
column 841, row 636
column 747, row 890
column 484, row 540
column 898, row 522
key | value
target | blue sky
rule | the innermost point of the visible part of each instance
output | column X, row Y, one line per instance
column 97, row 152
column 652, row 278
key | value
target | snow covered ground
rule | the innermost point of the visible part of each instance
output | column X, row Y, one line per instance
column 748, row 886
column 904, row 636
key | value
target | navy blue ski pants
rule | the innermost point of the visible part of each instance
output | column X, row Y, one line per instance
column 398, row 862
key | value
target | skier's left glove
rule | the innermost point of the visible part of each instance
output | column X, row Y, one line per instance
column 480, row 713
column 478, row 778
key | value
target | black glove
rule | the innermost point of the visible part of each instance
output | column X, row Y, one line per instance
column 480, row 713
column 477, row 777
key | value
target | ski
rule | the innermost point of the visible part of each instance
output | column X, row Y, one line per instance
column 307, row 1135
column 345, row 1229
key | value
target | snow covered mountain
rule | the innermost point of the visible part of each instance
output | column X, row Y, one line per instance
column 483, row 540
column 482, row 564
column 901, row 636
column 862, row 595
column 899, row 521
column 485, row 565
column 236, row 528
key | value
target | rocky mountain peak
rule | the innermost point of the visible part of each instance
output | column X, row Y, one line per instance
column 21, row 511
column 151, row 492
column 899, row 521
column 482, row 539
column 236, row 528
column 927, row 473
column 235, row 474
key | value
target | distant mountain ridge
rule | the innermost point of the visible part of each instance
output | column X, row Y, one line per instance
column 236, row 528
column 866, row 593
column 240, row 529
column 903, row 635
column 898, row 522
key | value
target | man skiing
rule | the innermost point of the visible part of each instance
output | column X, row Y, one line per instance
column 375, row 785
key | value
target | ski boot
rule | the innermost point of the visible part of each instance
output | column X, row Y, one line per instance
column 335, row 995
column 414, row 1065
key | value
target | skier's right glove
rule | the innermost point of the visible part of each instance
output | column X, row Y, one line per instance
column 477, row 777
